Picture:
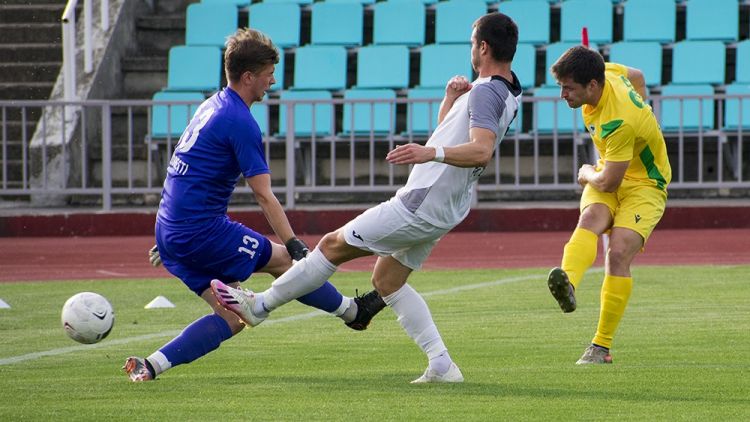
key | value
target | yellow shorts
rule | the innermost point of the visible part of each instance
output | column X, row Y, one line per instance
column 636, row 207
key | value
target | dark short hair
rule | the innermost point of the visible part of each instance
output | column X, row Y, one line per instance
column 500, row 33
column 580, row 63
column 248, row 50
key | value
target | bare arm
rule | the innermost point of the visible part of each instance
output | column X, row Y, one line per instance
column 477, row 152
column 606, row 180
column 261, row 186
column 638, row 81
column 456, row 86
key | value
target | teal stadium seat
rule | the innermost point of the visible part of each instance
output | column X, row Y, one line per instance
column 365, row 118
column 698, row 62
column 351, row 1
column 524, row 65
column 210, row 24
column 695, row 113
column 551, row 115
column 454, row 19
column 169, row 121
column 743, row 62
column 440, row 62
column 289, row 1
column 260, row 113
column 194, row 68
column 320, row 67
column 422, row 117
column 279, row 20
column 712, row 20
column 596, row 15
column 237, row 3
column 643, row 55
column 736, row 117
column 383, row 66
column 399, row 22
column 650, row 20
column 337, row 23
column 304, row 121
column 532, row 17
column 552, row 53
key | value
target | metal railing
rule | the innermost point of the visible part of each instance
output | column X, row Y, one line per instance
column 70, row 47
column 111, row 155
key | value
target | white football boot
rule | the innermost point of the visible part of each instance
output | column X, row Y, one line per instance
column 452, row 375
column 238, row 301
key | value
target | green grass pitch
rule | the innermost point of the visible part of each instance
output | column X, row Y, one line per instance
column 681, row 353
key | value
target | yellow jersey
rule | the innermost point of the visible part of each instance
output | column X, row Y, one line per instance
column 624, row 128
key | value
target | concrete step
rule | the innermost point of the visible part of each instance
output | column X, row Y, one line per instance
column 31, row 13
column 13, row 114
column 157, row 33
column 15, row 33
column 30, row 52
column 35, row 2
column 29, row 72
column 25, row 91
column 14, row 130
column 143, row 76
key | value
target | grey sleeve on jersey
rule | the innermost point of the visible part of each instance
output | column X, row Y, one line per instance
column 487, row 105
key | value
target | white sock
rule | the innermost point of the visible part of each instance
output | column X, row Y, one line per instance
column 305, row 276
column 347, row 310
column 414, row 315
column 159, row 362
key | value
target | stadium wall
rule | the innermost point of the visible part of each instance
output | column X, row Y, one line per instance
column 511, row 218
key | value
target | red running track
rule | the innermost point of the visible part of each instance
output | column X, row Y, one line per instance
column 67, row 258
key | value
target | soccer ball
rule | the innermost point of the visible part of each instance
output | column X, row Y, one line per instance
column 87, row 317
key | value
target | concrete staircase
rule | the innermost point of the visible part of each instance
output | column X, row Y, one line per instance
column 30, row 60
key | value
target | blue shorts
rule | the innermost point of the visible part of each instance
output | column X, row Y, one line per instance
column 219, row 248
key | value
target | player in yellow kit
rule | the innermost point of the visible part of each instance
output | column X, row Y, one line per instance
column 624, row 193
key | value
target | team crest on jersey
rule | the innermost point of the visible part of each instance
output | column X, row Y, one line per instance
column 592, row 129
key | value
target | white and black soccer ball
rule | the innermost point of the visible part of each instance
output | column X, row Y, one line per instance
column 87, row 317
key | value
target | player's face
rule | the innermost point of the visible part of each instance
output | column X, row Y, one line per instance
column 262, row 81
column 574, row 93
column 475, row 50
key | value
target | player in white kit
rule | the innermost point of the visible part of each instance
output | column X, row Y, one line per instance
column 473, row 117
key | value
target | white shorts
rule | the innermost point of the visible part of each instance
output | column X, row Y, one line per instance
column 389, row 229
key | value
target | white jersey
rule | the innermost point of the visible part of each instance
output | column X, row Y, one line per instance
column 441, row 193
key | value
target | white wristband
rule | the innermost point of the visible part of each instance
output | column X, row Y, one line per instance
column 439, row 154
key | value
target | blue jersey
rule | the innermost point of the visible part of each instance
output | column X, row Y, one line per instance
column 221, row 142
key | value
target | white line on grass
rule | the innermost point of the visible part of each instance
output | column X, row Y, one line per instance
column 171, row 333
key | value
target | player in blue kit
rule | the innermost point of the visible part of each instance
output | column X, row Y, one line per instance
column 196, row 240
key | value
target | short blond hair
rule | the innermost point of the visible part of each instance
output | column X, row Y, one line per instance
column 248, row 50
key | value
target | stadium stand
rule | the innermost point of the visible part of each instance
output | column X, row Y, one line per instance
column 524, row 65
column 453, row 20
column 337, row 23
column 194, row 68
column 643, row 55
column 690, row 114
column 279, row 20
column 209, row 24
column 320, row 67
column 531, row 15
column 399, row 22
column 308, row 120
column 422, row 117
column 650, row 20
column 440, row 62
column 383, row 66
column 698, row 62
column 596, row 15
column 712, row 20
column 379, row 118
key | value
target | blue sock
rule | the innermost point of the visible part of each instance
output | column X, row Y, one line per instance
column 197, row 339
column 326, row 298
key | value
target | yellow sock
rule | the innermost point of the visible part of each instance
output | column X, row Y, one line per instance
column 615, row 294
column 579, row 254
